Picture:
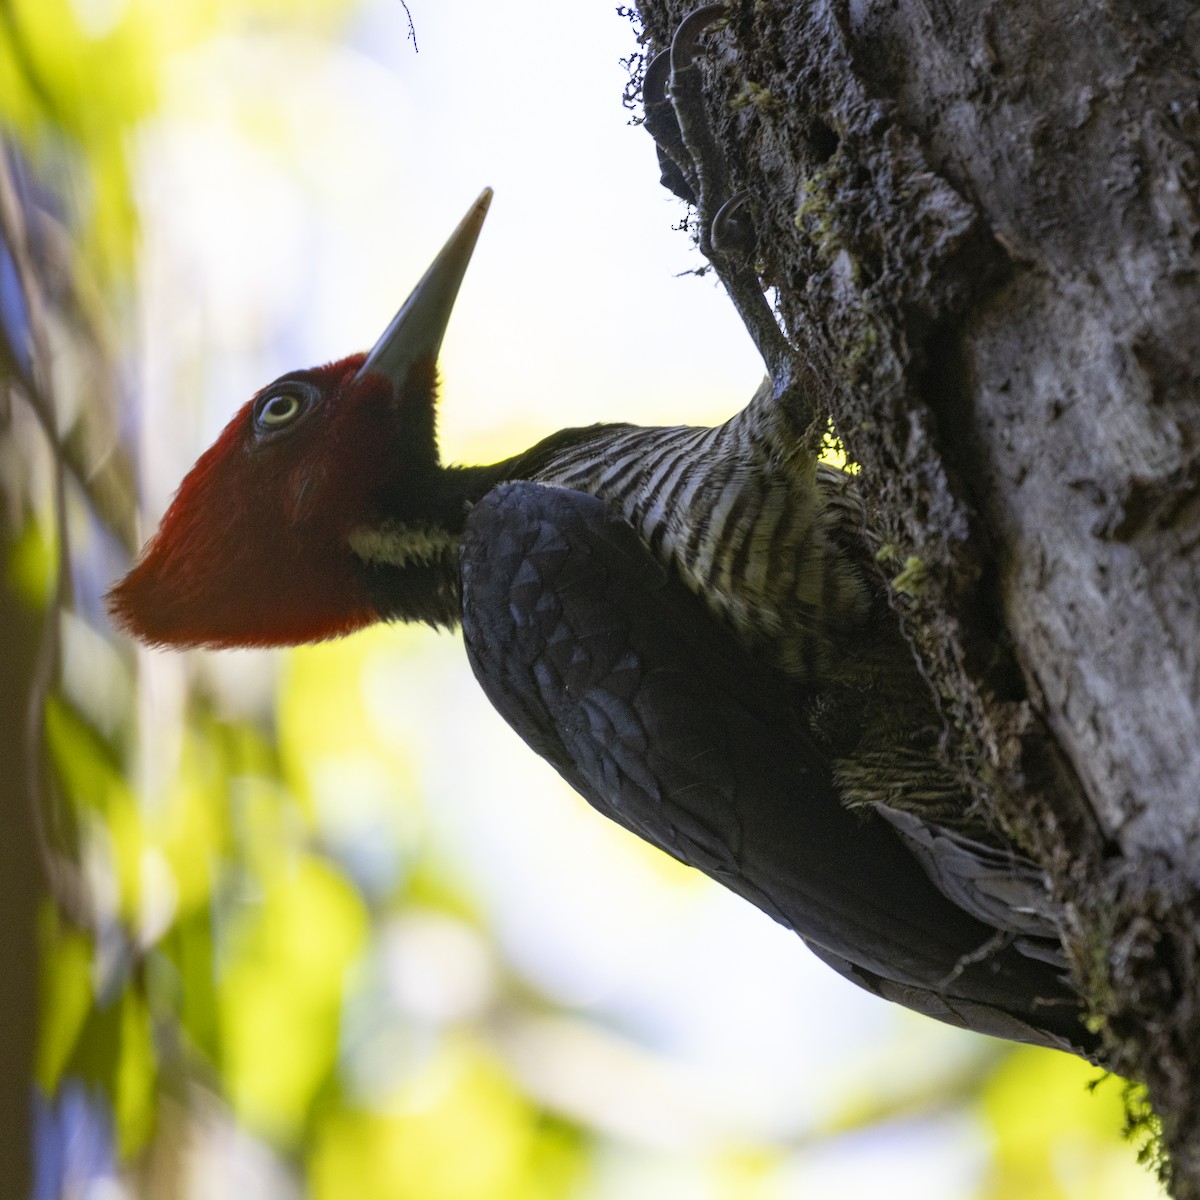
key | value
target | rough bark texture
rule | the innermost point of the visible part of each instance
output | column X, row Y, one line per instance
column 983, row 221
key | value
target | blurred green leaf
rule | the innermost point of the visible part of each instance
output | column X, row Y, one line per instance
column 133, row 1085
column 32, row 564
column 87, row 766
column 115, row 1053
column 66, row 997
column 1054, row 1136
column 190, row 987
column 460, row 1130
column 281, row 990
column 110, row 818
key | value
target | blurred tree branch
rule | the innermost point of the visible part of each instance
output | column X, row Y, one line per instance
column 28, row 657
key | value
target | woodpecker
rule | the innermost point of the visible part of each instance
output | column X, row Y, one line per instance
column 686, row 622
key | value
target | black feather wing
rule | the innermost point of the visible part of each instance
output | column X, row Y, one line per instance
column 619, row 676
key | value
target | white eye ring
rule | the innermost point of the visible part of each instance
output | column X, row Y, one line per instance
column 280, row 410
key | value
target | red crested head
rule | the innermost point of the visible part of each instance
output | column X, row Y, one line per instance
column 282, row 530
column 255, row 548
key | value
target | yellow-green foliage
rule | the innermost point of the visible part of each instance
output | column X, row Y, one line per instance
column 458, row 1129
column 77, row 80
column 1053, row 1134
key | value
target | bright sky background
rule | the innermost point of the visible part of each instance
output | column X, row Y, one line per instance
column 293, row 196
column 313, row 233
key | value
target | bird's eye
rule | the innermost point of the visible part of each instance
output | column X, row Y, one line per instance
column 279, row 410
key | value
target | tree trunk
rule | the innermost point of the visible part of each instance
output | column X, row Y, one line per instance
column 983, row 222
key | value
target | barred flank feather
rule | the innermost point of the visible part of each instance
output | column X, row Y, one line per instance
column 743, row 523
